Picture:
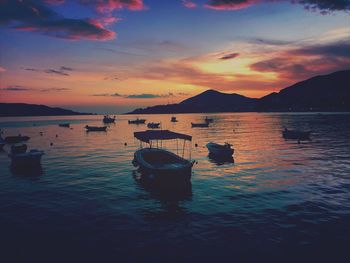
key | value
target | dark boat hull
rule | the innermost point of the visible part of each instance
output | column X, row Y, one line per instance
column 16, row 139
column 200, row 125
column 177, row 169
column 95, row 129
column 296, row 135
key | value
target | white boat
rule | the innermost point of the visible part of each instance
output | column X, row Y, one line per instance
column 160, row 163
column 20, row 157
column 220, row 150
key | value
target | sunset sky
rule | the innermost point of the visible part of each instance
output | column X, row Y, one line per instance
column 117, row 55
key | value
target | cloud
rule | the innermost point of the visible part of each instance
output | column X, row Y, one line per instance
column 324, row 6
column 54, row 89
column 189, row 4
column 135, row 96
column 2, row 69
column 103, row 6
column 61, row 71
column 15, row 88
column 36, row 16
column 303, row 62
column 229, row 56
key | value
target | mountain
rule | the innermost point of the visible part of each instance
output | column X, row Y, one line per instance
column 321, row 93
column 208, row 101
column 22, row 109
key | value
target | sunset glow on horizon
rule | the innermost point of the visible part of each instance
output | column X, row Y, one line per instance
column 117, row 55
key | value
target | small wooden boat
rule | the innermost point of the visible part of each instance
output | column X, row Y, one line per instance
column 95, row 128
column 21, row 158
column 208, row 120
column 219, row 149
column 107, row 119
column 16, row 139
column 160, row 163
column 173, row 119
column 198, row 125
column 137, row 121
column 296, row 135
column 153, row 125
column 65, row 125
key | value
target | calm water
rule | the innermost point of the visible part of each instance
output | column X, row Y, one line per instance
column 278, row 200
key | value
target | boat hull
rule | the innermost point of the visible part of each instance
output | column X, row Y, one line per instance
column 16, row 139
column 177, row 169
column 141, row 121
column 95, row 129
column 199, row 125
column 26, row 160
column 296, row 135
column 219, row 151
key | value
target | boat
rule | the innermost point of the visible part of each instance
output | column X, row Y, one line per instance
column 107, row 119
column 22, row 158
column 160, row 163
column 137, row 121
column 208, row 120
column 95, row 128
column 16, row 139
column 195, row 125
column 2, row 142
column 173, row 119
column 296, row 135
column 66, row 125
column 153, row 125
column 220, row 150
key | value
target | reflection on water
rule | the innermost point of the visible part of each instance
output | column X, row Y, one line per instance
column 220, row 160
column 277, row 197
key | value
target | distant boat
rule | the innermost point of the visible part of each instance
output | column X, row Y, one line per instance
column 2, row 142
column 95, row 128
column 23, row 159
column 195, row 125
column 208, row 120
column 220, row 150
column 66, row 125
column 153, row 125
column 107, row 119
column 296, row 135
column 160, row 163
column 137, row 121
column 173, row 119
column 16, row 139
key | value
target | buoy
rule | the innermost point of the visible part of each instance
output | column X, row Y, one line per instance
column 125, row 144
column 56, row 135
column 51, row 144
column 196, row 145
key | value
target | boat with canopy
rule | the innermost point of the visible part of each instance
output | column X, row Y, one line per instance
column 158, row 162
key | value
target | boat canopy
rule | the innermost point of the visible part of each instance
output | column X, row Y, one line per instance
column 147, row 136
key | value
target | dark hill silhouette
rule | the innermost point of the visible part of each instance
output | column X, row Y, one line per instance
column 322, row 93
column 23, row 109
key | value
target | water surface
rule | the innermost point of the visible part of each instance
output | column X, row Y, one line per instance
column 277, row 200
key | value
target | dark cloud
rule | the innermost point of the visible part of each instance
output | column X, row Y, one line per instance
column 324, row 6
column 54, row 89
column 229, row 56
column 339, row 49
column 58, row 72
column 135, row 96
column 36, row 16
column 66, row 68
column 15, row 88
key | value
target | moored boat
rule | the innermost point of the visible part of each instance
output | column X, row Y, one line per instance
column 153, row 125
column 160, row 163
column 220, row 150
column 296, row 135
column 16, row 139
column 137, row 121
column 195, row 125
column 108, row 119
column 208, row 120
column 173, row 119
column 95, row 128
column 65, row 125
column 22, row 158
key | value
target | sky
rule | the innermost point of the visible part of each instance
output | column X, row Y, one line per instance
column 112, row 56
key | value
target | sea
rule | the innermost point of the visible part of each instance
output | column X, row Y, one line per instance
column 275, row 200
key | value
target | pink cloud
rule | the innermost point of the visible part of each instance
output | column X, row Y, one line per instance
column 231, row 4
column 189, row 4
column 2, row 69
column 107, row 6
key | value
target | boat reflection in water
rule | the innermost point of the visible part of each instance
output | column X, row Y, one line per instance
column 220, row 160
column 170, row 194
